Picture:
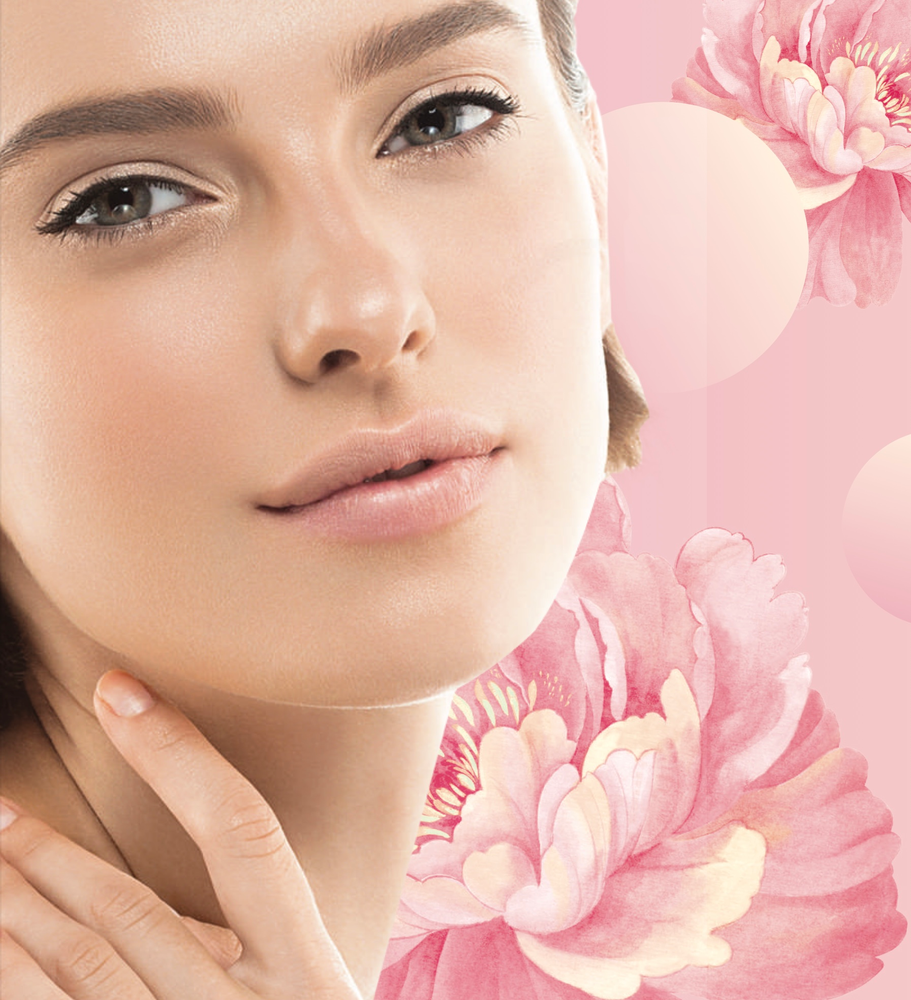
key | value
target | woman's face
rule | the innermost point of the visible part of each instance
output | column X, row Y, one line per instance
column 277, row 261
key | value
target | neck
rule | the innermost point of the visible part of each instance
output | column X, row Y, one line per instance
column 347, row 785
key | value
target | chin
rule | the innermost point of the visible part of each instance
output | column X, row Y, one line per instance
column 410, row 642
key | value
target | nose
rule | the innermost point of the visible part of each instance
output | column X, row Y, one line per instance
column 357, row 306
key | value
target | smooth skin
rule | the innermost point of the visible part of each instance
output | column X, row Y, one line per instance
column 160, row 378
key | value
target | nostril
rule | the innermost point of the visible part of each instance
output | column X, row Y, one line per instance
column 414, row 342
column 337, row 359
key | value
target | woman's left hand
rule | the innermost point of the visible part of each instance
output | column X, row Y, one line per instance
column 76, row 928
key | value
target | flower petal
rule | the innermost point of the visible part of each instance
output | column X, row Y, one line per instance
column 598, row 977
column 789, row 21
column 756, row 711
column 827, row 276
column 558, row 786
column 729, row 43
column 628, row 782
column 674, row 738
column 498, row 971
column 545, row 668
column 573, row 868
column 817, row 734
column 870, row 243
column 689, row 91
column 813, row 948
column 495, row 875
column 780, row 81
column 439, row 902
column 903, row 185
column 609, row 527
column 825, row 831
column 658, row 916
column 658, row 636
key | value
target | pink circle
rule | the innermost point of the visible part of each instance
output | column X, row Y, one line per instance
column 708, row 243
column 876, row 528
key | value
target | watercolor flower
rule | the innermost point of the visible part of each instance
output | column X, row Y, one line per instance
column 827, row 84
column 646, row 799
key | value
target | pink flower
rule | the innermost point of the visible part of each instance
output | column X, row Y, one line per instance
column 647, row 799
column 827, row 84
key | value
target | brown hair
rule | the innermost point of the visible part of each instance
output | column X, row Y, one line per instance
column 628, row 408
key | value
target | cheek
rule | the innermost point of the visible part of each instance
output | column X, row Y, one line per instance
column 112, row 399
column 526, row 302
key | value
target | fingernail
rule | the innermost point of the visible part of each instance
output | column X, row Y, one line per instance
column 124, row 695
column 7, row 814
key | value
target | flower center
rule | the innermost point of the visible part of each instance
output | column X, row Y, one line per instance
column 497, row 701
column 893, row 77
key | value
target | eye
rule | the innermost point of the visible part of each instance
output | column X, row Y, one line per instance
column 115, row 203
column 448, row 117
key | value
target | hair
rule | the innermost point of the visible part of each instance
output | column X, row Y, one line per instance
column 627, row 406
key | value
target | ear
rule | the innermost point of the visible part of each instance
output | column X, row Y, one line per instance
column 597, row 149
column 596, row 162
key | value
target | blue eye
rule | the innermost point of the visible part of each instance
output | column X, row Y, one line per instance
column 447, row 117
column 116, row 203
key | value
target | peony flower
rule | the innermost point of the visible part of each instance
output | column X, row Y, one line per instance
column 646, row 799
column 827, row 84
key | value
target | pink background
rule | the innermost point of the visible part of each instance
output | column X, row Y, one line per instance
column 772, row 451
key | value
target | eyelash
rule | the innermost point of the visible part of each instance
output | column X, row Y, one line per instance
column 507, row 107
column 63, row 221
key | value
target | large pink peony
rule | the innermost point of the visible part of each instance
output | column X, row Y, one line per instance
column 647, row 799
column 827, row 84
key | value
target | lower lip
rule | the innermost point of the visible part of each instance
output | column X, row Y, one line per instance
column 428, row 501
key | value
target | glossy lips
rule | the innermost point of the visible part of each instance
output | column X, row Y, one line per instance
column 378, row 484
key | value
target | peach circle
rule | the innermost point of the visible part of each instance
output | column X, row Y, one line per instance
column 876, row 528
column 708, row 243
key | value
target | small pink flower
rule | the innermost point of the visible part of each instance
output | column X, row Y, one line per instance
column 827, row 84
column 646, row 799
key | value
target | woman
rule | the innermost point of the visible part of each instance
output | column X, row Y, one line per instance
column 304, row 412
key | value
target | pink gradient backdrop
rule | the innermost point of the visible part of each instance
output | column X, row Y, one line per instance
column 773, row 450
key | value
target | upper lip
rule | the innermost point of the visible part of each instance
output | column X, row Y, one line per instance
column 431, row 435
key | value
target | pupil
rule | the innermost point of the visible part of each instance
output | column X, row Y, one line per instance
column 432, row 122
column 121, row 197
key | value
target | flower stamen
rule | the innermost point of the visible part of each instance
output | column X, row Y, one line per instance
column 892, row 66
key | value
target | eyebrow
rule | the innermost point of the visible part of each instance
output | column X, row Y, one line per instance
column 386, row 48
column 382, row 50
column 146, row 112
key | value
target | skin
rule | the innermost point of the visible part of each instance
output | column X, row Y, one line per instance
column 155, row 385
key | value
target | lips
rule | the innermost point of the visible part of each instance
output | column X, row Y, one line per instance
column 409, row 470
column 368, row 456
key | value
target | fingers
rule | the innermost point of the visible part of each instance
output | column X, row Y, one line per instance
column 21, row 976
column 259, row 883
column 94, row 930
column 48, row 953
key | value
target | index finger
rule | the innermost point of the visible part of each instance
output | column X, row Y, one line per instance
column 261, row 887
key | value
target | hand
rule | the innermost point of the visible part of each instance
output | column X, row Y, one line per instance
column 75, row 928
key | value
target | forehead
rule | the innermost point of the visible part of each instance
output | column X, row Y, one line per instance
column 57, row 50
